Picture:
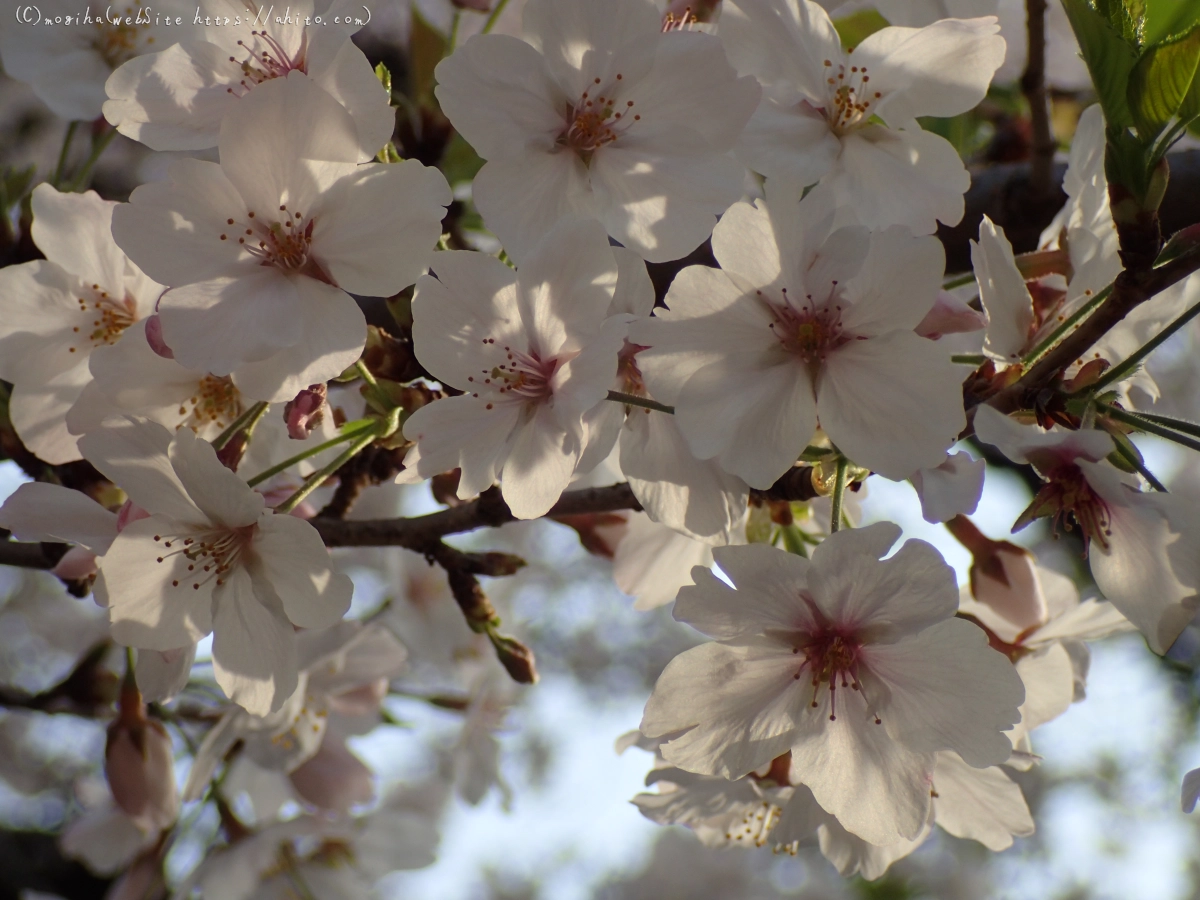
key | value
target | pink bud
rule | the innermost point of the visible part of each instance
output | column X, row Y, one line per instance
column 77, row 563
column 140, row 767
column 1008, row 583
column 304, row 413
column 154, row 337
column 949, row 316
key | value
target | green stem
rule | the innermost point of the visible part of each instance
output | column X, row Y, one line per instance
column 1174, row 424
column 1132, row 458
column 643, row 402
column 1149, row 427
column 491, row 20
column 958, row 281
column 793, row 542
column 452, row 41
column 968, row 359
column 99, row 145
column 62, row 154
column 316, row 479
column 255, row 413
column 1051, row 339
column 839, row 491
column 380, row 397
column 310, row 452
column 1118, row 372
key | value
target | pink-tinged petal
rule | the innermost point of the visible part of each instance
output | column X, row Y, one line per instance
column 1150, row 569
column 951, row 489
column 172, row 229
column 734, row 708
column 331, row 340
column 635, row 291
column 1010, row 601
column 659, row 189
column 218, row 325
column 218, row 492
column 745, row 244
column 887, row 599
column 767, row 599
column 566, row 285
column 76, row 563
column 338, row 66
column 1002, row 290
column 695, row 497
column 153, row 605
column 982, row 805
column 38, row 412
column 891, row 403
column 334, row 778
column 692, row 84
column 273, row 134
column 708, row 317
column 498, row 93
column 1049, row 678
column 897, row 284
column 293, row 559
column 949, row 315
column 540, row 464
column 781, row 43
column 517, row 197
column 948, row 691
column 754, row 415
column 460, row 432
column 942, row 70
column 876, row 787
column 49, row 512
column 377, row 227
column 40, row 302
column 1029, row 443
column 75, row 232
column 792, row 143
column 581, row 39
column 173, row 100
column 851, row 855
column 652, row 562
column 161, row 674
column 133, row 455
column 909, row 177
column 254, row 646
column 471, row 301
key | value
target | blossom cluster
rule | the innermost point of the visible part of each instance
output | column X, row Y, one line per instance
column 201, row 351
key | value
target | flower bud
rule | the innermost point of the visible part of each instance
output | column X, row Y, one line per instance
column 305, row 412
column 1003, row 577
column 140, row 765
column 516, row 658
column 154, row 337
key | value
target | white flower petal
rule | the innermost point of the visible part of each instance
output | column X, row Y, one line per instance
column 50, row 512
column 293, row 559
column 254, row 647
column 979, row 804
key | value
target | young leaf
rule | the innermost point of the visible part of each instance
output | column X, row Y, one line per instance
column 1109, row 56
column 1160, row 82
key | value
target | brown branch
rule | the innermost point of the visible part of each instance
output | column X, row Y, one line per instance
column 1130, row 289
column 1033, row 86
column 30, row 555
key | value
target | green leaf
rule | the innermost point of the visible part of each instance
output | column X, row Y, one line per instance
column 461, row 162
column 1168, row 18
column 1110, row 58
column 1161, row 81
column 385, row 78
column 1189, row 110
column 1126, row 17
column 426, row 47
column 856, row 28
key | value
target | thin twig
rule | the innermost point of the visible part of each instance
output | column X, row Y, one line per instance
column 1033, row 86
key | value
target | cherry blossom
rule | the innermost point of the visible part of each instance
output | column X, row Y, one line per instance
column 803, row 326
column 950, row 489
column 176, row 98
column 260, row 250
column 848, row 118
column 1142, row 547
column 534, row 349
column 599, row 113
column 343, row 676
column 919, row 680
column 67, row 64
column 210, row 558
column 57, row 311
